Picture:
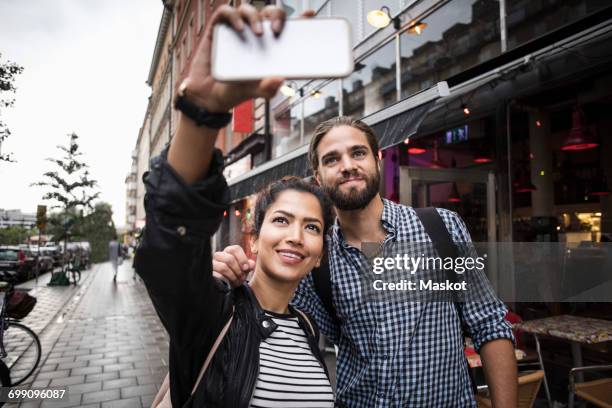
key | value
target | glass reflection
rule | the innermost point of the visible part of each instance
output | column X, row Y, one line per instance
column 322, row 104
column 371, row 86
column 286, row 128
column 461, row 34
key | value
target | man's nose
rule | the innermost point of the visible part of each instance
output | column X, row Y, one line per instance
column 348, row 165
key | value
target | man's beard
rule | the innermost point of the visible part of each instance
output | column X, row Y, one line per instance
column 354, row 199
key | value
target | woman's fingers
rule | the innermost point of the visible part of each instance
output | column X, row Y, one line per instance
column 228, row 15
column 308, row 13
column 277, row 17
column 252, row 16
column 242, row 261
column 226, row 272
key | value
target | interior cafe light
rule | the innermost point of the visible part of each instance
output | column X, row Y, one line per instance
column 579, row 137
column 414, row 148
column 237, row 213
column 465, row 109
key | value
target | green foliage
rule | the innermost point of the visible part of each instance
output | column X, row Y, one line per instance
column 15, row 235
column 8, row 71
column 98, row 228
column 70, row 186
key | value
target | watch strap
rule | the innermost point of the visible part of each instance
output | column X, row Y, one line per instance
column 202, row 116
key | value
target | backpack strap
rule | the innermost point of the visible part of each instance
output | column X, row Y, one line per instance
column 321, row 278
column 446, row 248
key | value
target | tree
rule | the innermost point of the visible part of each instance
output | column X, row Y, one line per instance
column 70, row 188
column 98, row 229
column 15, row 235
column 8, row 71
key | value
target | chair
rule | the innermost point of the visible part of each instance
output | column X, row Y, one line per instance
column 597, row 392
column 528, row 387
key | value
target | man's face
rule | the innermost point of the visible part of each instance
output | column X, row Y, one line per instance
column 348, row 170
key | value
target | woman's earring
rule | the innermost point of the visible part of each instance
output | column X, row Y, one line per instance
column 254, row 250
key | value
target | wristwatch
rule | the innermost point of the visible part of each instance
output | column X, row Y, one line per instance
column 201, row 116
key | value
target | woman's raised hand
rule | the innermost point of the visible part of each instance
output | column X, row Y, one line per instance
column 199, row 85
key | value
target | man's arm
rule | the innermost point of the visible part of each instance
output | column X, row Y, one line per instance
column 499, row 365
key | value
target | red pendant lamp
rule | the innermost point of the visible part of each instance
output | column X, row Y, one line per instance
column 454, row 196
column 579, row 137
column 524, row 184
column 600, row 187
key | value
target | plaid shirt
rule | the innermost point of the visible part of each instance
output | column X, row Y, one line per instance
column 399, row 354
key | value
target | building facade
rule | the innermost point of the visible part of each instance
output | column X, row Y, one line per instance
column 16, row 218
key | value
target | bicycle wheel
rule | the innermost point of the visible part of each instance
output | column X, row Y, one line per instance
column 23, row 351
column 73, row 275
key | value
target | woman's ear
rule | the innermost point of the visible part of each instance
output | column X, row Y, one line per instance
column 318, row 262
column 254, row 246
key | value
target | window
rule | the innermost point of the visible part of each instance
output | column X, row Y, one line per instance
column 371, row 86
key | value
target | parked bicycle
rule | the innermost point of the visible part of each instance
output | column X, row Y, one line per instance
column 72, row 272
column 20, row 349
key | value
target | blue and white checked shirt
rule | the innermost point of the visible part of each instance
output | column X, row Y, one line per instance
column 399, row 354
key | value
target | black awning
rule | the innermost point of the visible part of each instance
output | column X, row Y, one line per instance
column 390, row 132
column 298, row 166
column 398, row 128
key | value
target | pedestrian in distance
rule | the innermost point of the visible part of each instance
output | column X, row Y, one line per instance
column 113, row 256
column 236, row 347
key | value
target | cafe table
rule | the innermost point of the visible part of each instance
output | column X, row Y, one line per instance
column 576, row 330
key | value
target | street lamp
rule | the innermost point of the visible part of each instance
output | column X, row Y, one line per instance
column 380, row 18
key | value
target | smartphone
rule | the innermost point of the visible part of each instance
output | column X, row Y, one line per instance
column 307, row 48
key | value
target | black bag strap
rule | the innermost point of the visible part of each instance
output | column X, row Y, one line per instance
column 321, row 278
column 446, row 248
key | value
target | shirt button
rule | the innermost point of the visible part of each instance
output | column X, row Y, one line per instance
column 181, row 231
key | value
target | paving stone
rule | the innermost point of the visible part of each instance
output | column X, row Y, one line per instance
column 101, row 396
column 134, row 373
column 119, row 383
column 123, row 403
column 147, row 400
column 138, row 390
column 90, row 357
column 85, row 388
column 60, row 382
column 72, row 364
column 52, row 374
column 86, row 370
column 102, row 376
column 103, row 361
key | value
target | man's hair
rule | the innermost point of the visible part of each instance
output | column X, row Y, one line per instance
column 323, row 128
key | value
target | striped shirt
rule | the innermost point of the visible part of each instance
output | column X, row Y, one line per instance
column 290, row 376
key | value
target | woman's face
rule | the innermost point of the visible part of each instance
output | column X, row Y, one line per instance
column 290, row 241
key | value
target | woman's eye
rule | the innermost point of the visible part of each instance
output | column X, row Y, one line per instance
column 314, row 228
column 280, row 220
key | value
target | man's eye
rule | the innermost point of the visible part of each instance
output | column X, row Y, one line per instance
column 314, row 228
column 330, row 160
column 280, row 220
column 359, row 153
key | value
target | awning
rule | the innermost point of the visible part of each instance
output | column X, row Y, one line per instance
column 392, row 125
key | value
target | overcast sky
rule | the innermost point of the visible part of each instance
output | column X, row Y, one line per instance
column 85, row 66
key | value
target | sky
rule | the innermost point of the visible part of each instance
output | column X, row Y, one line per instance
column 86, row 64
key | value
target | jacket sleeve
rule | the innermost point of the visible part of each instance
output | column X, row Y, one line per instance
column 174, row 257
column 485, row 317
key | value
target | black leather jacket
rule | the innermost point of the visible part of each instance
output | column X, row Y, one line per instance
column 175, row 261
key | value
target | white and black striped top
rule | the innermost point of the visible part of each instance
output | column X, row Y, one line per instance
column 290, row 376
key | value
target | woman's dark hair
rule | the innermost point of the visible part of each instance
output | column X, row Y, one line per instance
column 268, row 195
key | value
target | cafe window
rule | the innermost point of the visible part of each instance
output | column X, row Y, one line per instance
column 286, row 129
column 461, row 34
column 321, row 104
column 530, row 19
column 372, row 86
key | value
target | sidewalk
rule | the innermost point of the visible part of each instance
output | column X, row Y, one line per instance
column 102, row 340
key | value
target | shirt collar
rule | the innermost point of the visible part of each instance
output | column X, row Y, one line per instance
column 389, row 219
